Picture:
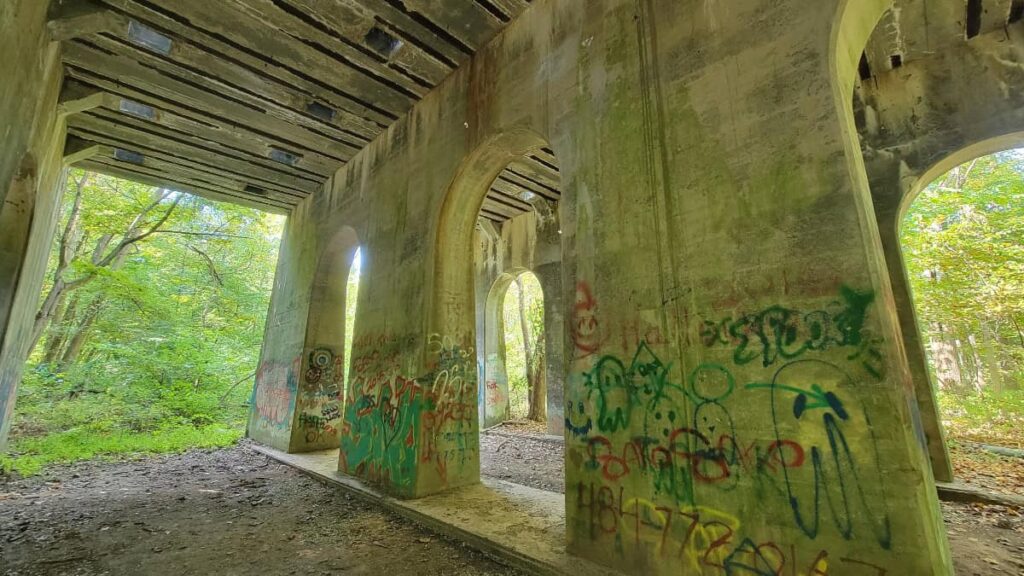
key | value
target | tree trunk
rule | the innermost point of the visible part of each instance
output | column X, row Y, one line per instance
column 56, row 336
column 77, row 342
column 537, row 390
column 538, row 387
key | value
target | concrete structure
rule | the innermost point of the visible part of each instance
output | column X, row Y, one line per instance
column 733, row 349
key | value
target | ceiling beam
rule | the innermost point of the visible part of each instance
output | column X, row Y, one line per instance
column 104, row 164
column 200, row 129
column 77, row 149
column 104, row 130
column 132, row 73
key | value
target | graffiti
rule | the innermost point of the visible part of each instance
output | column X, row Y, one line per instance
column 274, row 395
column 618, row 389
column 703, row 540
column 493, row 394
column 320, row 397
column 585, row 327
column 582, row 425
column 705, row 460
column 794, row 436
column 699, row 443
column 324, row 368
column 834, row 473
column 394, row 422
column 450, row 435
column 778, row 333
column 381, row 431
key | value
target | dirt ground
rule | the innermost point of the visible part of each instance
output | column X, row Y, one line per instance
column 235, row 512
column 223, row 512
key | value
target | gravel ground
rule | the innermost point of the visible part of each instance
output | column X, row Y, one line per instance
column 222, row 512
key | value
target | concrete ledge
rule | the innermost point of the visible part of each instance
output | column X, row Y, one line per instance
column 955, row 492
column 550, row 439
column 520, row 526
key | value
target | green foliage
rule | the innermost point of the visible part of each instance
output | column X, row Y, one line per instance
column 995, row 418
column 515, row 353
column 167, row 362
column 963, row 241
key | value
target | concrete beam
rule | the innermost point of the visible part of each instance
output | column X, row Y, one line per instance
column 77, row 149
column 76, row 98
column 76, row 18
column 103, row 165
column 995, row 15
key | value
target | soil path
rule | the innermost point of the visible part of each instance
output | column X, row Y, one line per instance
column 226, row 512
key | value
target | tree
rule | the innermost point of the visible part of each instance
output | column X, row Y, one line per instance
column 524, row 344
column 963, row 240
column 108, row 251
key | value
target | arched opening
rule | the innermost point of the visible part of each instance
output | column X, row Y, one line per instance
column 924, row 101
column 321, row 391
column 523, row 339
column 351, row 301
column 963, row 248
column 503, row 207
column 913, row 128
column 519, row 324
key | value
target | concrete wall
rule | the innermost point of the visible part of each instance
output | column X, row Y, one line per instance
column 738, row 395
column 32, row 133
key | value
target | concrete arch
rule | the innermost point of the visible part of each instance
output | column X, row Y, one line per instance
column 934, row 121
column 494, row 392
column 496, row 401
column 453, row 280
column 320, row 398
column 450, row 352
column 967, row 152
column 890, row 225
column 854, row 23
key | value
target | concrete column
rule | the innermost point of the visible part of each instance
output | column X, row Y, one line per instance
column 30, row 184
column 550, row 277
column 888, row 191
column 272, row 413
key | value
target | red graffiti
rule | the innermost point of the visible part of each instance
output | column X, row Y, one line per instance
column 493, row 394
column 585, row 327
column 687, row 448
column 275, row 390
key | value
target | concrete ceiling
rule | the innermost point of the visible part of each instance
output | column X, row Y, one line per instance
column 914, row 29
column 258, row 102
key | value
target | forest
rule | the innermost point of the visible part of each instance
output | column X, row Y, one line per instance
column 963, row 244
column 149, row 325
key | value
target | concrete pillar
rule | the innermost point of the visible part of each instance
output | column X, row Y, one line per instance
column 550, row 277
column 272, row 408
column 30, row 184
column 319, row 401
column 889, row 188
column 494, row 396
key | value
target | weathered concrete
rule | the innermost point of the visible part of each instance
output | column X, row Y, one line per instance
column 737, row 390
column 32, row 130
column 738, row 395
column 916, row 123
column 520, row 525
